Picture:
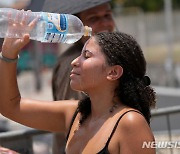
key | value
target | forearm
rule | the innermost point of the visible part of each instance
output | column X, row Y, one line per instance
column 9, row 92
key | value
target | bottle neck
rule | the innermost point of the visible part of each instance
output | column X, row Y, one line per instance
column 87, row 31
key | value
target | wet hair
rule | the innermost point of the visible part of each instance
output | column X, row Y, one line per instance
column 134, row 88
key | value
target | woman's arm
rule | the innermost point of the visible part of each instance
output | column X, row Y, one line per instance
column 51, row 116
column 7, row 151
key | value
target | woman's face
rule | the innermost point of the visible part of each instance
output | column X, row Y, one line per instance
column 89, row 69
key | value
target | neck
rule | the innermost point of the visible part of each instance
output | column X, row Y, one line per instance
column 102, row 102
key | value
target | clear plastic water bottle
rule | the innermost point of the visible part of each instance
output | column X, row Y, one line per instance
column 50, row 27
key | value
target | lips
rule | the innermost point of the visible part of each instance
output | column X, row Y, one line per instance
column 74, row 73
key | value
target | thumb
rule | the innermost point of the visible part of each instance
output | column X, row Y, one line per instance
column 25, row 40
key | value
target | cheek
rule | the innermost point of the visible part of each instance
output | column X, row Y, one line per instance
column 93, row 75
column 99, row 27
column 112, row 25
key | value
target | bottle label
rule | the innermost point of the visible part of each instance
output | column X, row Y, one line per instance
column 56, row 27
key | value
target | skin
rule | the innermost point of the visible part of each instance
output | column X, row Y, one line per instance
column 5, row 150
column 56, row 116
column 88, row 60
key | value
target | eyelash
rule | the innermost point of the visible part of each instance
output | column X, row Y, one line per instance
column 86, row 55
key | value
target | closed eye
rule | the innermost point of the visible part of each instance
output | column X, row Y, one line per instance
column 93, row 19
column 86, row 54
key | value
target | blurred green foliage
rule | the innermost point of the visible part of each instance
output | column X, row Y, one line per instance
column 146, row 5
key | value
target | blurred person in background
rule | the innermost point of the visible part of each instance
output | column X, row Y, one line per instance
column 96, row 14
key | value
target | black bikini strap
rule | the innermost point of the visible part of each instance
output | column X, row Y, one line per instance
column 72, row 121
column 114, row 129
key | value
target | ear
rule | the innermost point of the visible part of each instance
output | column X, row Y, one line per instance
column 114, row 72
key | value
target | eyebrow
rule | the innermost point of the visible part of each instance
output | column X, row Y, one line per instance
column 85, row 51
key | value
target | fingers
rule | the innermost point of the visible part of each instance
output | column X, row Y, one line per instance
column 19, row 24
column 33, row 23
column 18, row 17
column 25, row 17
column 10, row 22
column 26, row 20
column 25, row 40
column 18, row 33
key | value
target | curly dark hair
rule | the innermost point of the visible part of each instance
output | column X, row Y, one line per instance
column 133, row 89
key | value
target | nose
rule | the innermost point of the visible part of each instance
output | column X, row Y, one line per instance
column 106, row 24
column 105, row 20
column 75, row 62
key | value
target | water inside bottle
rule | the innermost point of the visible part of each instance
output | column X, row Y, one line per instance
column 71, row 38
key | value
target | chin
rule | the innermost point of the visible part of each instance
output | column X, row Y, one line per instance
column 75, row 87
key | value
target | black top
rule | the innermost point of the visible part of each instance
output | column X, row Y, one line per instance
column 105, row 149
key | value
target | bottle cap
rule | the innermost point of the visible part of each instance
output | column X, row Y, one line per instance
column 87, row 31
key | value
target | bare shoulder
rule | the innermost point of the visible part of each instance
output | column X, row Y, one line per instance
column 133, row 122
column 133, row 119
column 133, row 130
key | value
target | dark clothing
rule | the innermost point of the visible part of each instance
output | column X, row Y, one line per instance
column 61, row 80
column 105, row 149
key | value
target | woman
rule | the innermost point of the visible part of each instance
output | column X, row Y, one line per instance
column 115, row 115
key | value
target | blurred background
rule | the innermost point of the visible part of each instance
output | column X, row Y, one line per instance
column 155, row 25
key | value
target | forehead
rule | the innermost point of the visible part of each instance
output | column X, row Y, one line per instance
column 92, row 45
column 96, row 10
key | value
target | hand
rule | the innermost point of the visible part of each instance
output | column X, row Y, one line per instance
column 12, row 46
column 7, row 151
